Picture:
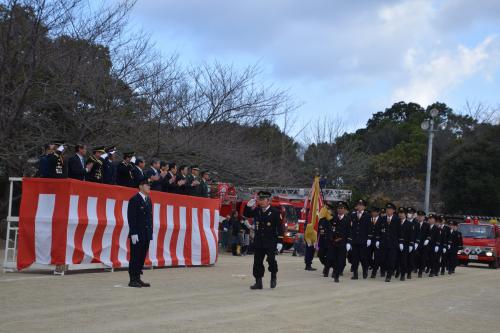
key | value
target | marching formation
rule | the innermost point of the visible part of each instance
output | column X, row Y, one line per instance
column 398, row 242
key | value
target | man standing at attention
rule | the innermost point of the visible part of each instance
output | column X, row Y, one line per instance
column 268, row 237
column 140, row 222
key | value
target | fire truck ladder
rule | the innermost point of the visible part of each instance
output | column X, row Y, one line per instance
column 296, row 193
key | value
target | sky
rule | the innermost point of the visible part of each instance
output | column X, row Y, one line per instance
column 342, row 59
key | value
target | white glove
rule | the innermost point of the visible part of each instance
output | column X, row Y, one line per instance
column 410, row 248
column 132, row 160
column 416, row 246
column 279, row 247
column 103, row 156
column 377, row 244
column 368, row 242
column 426, row 242
column 444, row 250
column 401, row 247
column 436, row 249
column 251, row 202
column 348, row 247
column 225, row 229
column 449, row 247
column 134, row 239
column 61, row 148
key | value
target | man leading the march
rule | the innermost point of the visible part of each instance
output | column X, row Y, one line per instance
column 268, row 237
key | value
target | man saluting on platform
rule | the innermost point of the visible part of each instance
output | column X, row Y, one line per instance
column 140, row 222
column 268, row 237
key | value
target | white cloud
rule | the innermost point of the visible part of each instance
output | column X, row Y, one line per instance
column 434, row 76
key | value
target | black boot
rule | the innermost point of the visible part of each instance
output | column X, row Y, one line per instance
column 365, row 273
column 354, row 275
column 374, row 274
column 420, row 274
column 336, row 278
column 409, row 276
column 309, row 268
column 388, row 277
column 402, row 278
column 396, row 275
column 273, row 281
column 326, row 271
column 257, row 285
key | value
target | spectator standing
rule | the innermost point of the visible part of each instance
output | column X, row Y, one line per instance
column 153, row 173
column 77, row 167
column 235, row 234
column 124, row 175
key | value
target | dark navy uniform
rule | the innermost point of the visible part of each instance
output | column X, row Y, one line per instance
column 109, row 172
column 140, row 221
column 389, row 233
column 323, row 241
column 124, row 175
column 422, row 236
column 337, row 239
column 408, row 240
column 376, row 253
column 96, row 173
column 456, row 243
column 55, row 165
column 445, row 246
column 435, row 249
column 268, row 233
column 358, row 234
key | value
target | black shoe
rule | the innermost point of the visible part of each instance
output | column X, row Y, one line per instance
column 354, row 277
column 325, row 272
column 396, row 275
column 309, row 268
column 402, row 278
column 442, row 272
column 273, row 282
column 420, row 274
column 135, row 284
column 257, row 285
column 336, row 279
column 144, row 284
column 374, row 274
column 387, row 279
column 408, row 276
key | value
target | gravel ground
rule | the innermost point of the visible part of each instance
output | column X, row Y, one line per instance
column 217, row 299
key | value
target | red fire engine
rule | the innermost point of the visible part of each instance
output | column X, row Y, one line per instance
column 481, row 243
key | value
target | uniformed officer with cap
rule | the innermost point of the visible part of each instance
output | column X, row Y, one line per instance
column 389, row 233
column 422, row 240
column 108, row 166
column 359, row 238
column 140, row 221
column 434, row 244
column 268, row 237
column 406, row 244
column 96, row 172
column 124, row 176
column 445, row 243
column 338, row 246
column 324, row 229
column 374, row 253
column 456, row 243
column 411, row 215
column 55, row 161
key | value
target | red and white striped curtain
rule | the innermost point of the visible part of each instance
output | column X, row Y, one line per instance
column 66, row 221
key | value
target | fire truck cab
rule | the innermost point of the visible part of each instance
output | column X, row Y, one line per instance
column 481, row 243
